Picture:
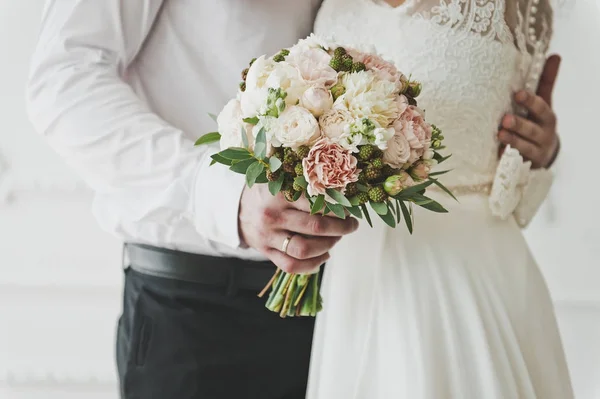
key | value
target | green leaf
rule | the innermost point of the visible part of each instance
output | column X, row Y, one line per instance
column 275, row 186
column 326, row 211
column 244, row 137
column 398, row 214
column 260, row 151
column 301, row 181
column 297, row 195
column 317, row 205
column 235, row 153
column 242, row 166
column 440, row 158
column 440, row 185
column 362, row 187
column 337, row 209
column 262, row 178
column 408, row 192
column 354, row 201
column 261, row 137
column 339, row 197
column 379, row 207
column 442, row 172
column 253, row 172
column 220, row 159
column 366, row 213
column 388, row 219
column 252, row 121
column 212, row 162
column 355, row 211
column 407, row 216
column 391, row 207
column 274, row 164
column 208, row 138
column 434, row 207
column 420, row 199
column 212, row 116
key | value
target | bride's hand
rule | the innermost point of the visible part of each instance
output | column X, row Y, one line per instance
column 536, row 137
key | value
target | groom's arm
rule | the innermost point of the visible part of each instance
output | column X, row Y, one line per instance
column 124, row 151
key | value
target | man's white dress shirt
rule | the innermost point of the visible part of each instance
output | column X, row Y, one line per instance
column 122, row 89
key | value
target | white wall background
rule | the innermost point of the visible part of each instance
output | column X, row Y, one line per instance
column 60, row 276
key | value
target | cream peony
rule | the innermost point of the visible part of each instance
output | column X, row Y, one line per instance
column 311, row 42
column 295, row 126
column 254, row 98
column 369, row 97
column 398, row 151
column 335, row 123
column 231, row 126
column 287, row 77
column 314, row 68
column 317, row 100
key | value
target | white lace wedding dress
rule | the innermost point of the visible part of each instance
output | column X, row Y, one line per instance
column 459, row 309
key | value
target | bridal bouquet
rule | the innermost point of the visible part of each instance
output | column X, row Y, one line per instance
column 336, row 126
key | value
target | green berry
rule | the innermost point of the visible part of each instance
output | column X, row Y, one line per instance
column 363, row 198
column 387, row 171
column 362, row 177
column 339, row 52
column 289, row 168
column 377, row 153
column 289, row 157
column 285, row 52
column 298, row 169
column 297, row 187
column 302, row 151
column 377, row 194
column 279, row 58
column 245, row 74
column 347, row 63
column 372, row 173
column 273, row 176
column 243, row 86
column 377, row 163
column 289, row 195
column 336, row 64
column 358, row 67
column 365, row 152
column 351, row 190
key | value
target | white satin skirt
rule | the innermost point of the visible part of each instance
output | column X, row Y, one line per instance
column 458, row 310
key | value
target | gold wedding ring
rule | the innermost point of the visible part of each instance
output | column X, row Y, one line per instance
column 286, row 243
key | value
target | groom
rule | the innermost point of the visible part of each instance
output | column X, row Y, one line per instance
column 121, row 88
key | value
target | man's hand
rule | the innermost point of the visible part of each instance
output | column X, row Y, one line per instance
column 266, row 221
column 535, row 137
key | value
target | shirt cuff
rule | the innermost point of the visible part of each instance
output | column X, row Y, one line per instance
column 217, row 195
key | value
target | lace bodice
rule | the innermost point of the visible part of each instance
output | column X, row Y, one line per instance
column 470, row 55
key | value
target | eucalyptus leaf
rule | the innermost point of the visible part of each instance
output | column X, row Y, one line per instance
column 252, row 121
column 208, row 138
column 236, row 153
column 260, row 150
column 366, row 213
column 326, row 211
column 355, row 211
column 220, row 159
column 339, row 197
column 362, row 187
column 317, row 205
column 337, row 209
column 301, row 181
column 244, row 137
column 297, row 195
column 407, row 216
column 253, row 172
column 380, row 208
column 242, row 166
column 262, row 178
column 261, row 137
column 274, row 164
column 275, row 186
column 354, row 201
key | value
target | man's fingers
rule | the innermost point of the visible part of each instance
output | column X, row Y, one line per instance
column 315, row 225
column 538, row 108
column 301, row 247
column 548, row 78
column 292, row 265
column 524, row 128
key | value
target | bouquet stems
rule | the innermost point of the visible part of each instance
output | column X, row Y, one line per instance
column 293, row 295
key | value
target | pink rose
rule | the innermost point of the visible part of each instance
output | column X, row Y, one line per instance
column 328, row 165
column 385, row 70
column 398, row 151
column 411, row 124
column 314, row 68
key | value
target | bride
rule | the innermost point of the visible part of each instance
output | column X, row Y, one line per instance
column 459, row 309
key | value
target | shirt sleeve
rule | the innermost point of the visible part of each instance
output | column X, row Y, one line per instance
column 78, row 100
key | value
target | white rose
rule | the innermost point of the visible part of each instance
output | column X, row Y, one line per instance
column 317, row 100
column 255, row 96
column 231, row 126
column 367, row 96
column 335, row 122
column 295, row 126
